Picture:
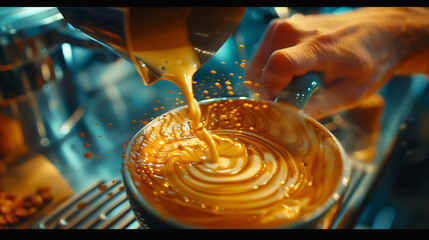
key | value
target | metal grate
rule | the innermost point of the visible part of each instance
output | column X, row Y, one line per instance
column 102, row 205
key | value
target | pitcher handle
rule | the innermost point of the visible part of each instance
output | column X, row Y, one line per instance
column 299, row 90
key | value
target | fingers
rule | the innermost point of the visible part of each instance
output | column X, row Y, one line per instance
column 347, row 58
column 286, row 63
column 279, row 34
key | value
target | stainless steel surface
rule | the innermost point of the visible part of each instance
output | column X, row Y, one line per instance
column 398, row 199
column 35, row 84
column 25, row 22
column 26, row 49
column 400, row 95
column 208, row 29
column 102, row 24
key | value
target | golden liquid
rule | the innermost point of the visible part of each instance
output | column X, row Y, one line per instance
column 275, row 166
column 160, row 38
column 230, row 164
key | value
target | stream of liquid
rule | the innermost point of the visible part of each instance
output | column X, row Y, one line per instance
column 166, row 44
column 225, row 164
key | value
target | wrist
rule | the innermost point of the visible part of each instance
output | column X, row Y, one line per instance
column 413, row 41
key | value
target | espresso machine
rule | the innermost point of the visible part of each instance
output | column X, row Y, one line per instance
column 68, row 87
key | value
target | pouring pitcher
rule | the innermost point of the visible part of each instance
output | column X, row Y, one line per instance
column 208, row 28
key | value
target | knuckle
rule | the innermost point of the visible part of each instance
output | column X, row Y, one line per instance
column 325, row 38
column 282, row 58
column 282, row 27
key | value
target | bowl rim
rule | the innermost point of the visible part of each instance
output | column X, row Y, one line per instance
column 300, row 222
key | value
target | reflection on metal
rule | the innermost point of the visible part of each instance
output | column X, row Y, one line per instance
column 35, row 88
column 72, row 120
column 384, row 218
column 102, row 205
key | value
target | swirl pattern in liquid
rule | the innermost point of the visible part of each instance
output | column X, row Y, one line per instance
column 275, row 165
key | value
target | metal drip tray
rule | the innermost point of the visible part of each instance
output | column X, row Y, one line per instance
column 102, row 205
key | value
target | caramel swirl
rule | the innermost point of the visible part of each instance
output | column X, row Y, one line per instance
column 275, row 165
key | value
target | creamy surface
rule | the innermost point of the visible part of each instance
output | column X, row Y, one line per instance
column 275, row 165
column 230, row 164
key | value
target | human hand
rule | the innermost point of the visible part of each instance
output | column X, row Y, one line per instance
column 355, row 52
